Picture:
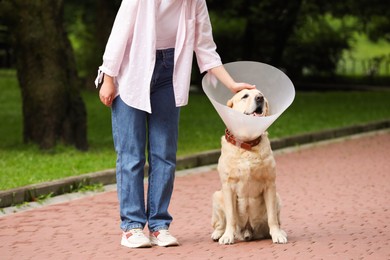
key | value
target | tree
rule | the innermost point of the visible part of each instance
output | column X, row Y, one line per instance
column 294, row 35
column 373, row 15
column 315, row 47
column 89, row 24
column 267, row 27
column 53, row 109
column 326, row 28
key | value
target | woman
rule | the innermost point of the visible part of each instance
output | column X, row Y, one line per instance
column 145, row 78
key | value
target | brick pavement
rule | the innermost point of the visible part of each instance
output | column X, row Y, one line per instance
column 335, row 206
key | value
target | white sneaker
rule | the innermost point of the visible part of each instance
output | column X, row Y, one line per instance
column 163, row 238
column 135, row 238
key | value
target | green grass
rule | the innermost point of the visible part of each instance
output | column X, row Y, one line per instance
column 200, row 130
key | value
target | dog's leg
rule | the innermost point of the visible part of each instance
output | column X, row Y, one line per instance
column 218, row 221
column 229, row 202
column 270, row 198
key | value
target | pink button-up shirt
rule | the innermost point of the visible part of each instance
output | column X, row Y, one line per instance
column 131, row 49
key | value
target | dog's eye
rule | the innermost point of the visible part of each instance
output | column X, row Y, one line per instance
column 245, row 96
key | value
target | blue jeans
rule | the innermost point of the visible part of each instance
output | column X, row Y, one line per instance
column 134, row 131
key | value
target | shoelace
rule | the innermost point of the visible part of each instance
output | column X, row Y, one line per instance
column 136, row 232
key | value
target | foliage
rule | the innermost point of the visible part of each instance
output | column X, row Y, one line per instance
column 266, row 27
column 367, row 58
column 266, row 30
column 83, row 42
column 299, row 36
column 373, row 15
column 306, row 54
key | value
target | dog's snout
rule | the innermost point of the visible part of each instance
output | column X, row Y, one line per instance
column 259, row 99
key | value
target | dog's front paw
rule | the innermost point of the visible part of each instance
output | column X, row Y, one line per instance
column 217, row 234
column 279, row 237
column 227, row 239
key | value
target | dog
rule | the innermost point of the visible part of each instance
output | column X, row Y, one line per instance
column 247, row 207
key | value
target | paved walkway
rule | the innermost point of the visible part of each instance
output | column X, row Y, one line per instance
column 335, row 206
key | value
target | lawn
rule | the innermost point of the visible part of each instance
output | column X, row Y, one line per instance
column 200, row 130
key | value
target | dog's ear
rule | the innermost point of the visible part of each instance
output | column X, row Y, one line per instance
column 230, row 103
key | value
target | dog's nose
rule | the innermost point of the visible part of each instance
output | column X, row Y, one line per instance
column 259, row 98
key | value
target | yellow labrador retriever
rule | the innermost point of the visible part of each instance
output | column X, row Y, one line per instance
column 247, row 207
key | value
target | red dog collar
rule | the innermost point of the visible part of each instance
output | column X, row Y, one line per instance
column 245, row 145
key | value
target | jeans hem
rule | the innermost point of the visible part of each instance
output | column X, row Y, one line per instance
column 160, row 228
column 132, row 227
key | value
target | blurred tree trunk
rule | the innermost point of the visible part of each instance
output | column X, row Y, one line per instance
column 53, row 109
